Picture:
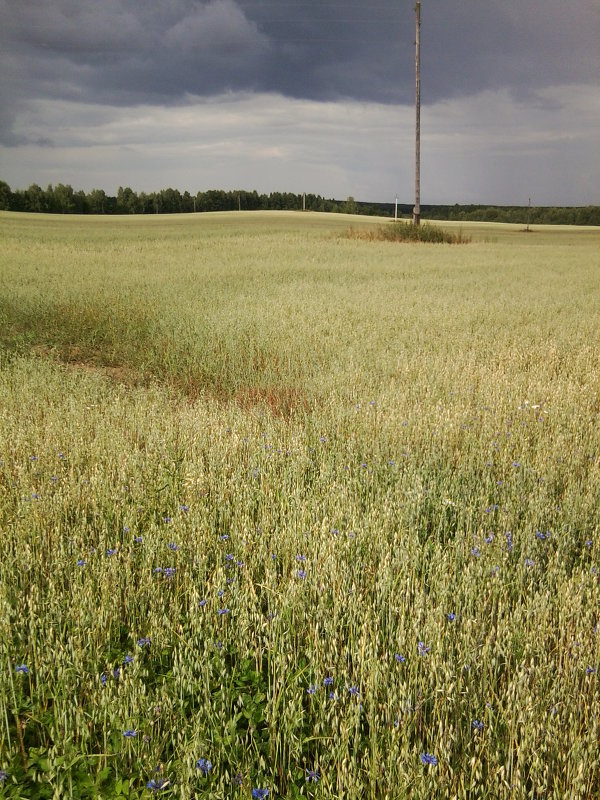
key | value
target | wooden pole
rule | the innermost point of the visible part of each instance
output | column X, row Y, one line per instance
column 417, row 208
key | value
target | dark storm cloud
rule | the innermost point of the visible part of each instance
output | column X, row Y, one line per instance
column 131, row 51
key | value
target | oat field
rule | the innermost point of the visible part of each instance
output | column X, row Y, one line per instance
column 289, row 513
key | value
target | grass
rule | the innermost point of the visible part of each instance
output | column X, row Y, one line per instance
column 345, row 448
column 409, row 232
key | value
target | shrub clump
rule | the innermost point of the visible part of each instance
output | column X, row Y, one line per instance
column 409, row 232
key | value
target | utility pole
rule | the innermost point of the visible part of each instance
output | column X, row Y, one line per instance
column 417, row 208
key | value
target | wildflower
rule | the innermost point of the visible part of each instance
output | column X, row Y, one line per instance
column 428, row 758
column 166, row 520
column 589, row 670
column 311, row 689
column 22, row 668
column 184, row 508
column 202, row 603
column 312, row 775
column 173, row 546
column 169, row 572
column 125, row 528
column 116, row 673
column 239, row 779
column 157, row 570
column 451, row 616
column 400, row 658
column 130, row 733
column 422, row 649
column 509, row 541
column 332, row 696
column 81, row 562
column 3, row 775
column 145, row 641
column 103, row 678
column 223, row 538
column 475, row 551
column 229, row 557
column 204, row 765
column 477, row 725
column 528, row 562
column 300, row 558
column 328, row 681
column 156, row 784
column 259, row 794
column 223, row 611
column 301, row 573
column 110, row 552
column 128, row 660
column 489, row 539
column 354, row 691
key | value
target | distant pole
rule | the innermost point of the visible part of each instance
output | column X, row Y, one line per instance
column 528, row 213
column 303, row 201
column 417, row 208
column 396, row 210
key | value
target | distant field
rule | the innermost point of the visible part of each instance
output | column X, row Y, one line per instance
column 321, row 511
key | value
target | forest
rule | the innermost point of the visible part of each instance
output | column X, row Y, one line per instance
column 64, row 199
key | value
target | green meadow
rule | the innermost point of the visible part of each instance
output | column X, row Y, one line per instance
column 286, row 509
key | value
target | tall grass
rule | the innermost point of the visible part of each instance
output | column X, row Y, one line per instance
column 298, row 505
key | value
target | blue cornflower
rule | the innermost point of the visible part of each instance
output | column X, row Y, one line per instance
column 259, row 794
column 428, row 758
column 173, row 546
column 300, row 558
column 221, row 592
column 223, row 611
column 311, row 689
column 125, row 528
column 3, row 775
column 224, row 537
column 229, row 556
column 156, row 784
column 166, row 520
column 312, row 775
column 451, row 616
column 22, row 668
column 400, row 658
column 590, row 670
column 157, row 570
column 138, row 539
column 81, row 562
column 529, row 562
column 169, row 572
column 130, row 733
column 477, row 725
column 202, row 603
column 127, row 660
column 184, row 508
column 111, row 552
column 204, row 765
column 328, row 681
column 354, row 691
column 301, row 573
column 103, row 678
column 475, row 551
column 332, row 696
column 422, row 649
column 116, row 673
column 145, row 641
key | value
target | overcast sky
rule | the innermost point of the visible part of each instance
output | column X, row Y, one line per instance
column 304, row 95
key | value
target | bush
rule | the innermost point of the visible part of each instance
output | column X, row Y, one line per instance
column 409, row 232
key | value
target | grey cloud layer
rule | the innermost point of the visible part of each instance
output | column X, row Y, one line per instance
column 128, row 51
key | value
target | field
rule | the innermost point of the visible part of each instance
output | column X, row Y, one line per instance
column 286, row 509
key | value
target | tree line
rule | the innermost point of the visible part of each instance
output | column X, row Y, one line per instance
column 63, row 199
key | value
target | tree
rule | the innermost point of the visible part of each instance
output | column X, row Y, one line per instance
column 5, row 196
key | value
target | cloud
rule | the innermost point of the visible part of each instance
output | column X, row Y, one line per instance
column 488, row 148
